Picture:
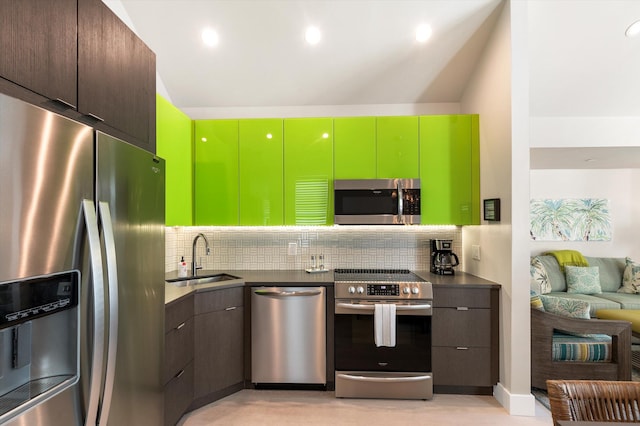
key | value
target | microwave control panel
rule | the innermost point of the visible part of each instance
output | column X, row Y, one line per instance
column 411, row 201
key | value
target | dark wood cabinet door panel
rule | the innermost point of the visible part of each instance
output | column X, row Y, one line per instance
column 178, row 394
column 178, row 348
column 453, row 327
column 39, row 47
column 461, row 297
column 219, row 350
column 116, row 73
column 461, row 367
column 178, row 312
column 219, row 300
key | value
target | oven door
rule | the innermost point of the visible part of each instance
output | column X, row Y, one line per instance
column 355, row 349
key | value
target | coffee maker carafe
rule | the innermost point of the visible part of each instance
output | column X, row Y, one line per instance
column 443, row 259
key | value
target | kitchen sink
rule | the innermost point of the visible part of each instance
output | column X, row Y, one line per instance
column 202, row 279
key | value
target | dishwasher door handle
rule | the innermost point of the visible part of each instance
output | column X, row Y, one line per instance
column 282, row 293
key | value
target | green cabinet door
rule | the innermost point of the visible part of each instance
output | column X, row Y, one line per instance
column 354, row 148
column 261, row 173
column 397, row 141
column 216, row 172
column 173, row 143
column 308, row 171
column 450, row 170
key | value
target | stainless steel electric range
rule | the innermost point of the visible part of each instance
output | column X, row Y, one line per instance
column 371, row 305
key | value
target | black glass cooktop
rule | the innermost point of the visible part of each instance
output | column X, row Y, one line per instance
column 375, row 275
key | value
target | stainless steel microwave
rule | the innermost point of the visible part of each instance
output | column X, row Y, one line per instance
column 377, row 201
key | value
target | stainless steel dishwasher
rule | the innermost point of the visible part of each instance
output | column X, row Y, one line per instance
column 288, row 335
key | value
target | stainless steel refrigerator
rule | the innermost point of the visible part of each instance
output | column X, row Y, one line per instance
column 81, row 274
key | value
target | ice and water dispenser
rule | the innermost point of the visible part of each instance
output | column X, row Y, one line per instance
column 39, row 320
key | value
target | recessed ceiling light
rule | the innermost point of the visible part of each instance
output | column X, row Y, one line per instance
column 312, row 35
column 210, row 37
column 203, row 139
column 325, row 135
column 269, row 136
column 633, row 30
column 423, row 33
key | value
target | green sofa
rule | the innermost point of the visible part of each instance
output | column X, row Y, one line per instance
column 569, row 342
column 611, row 270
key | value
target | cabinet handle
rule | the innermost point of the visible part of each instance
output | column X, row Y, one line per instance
column 230, row 308
column 462, row 308
column 95, row 117
column 65, row 103
column 180, row 373
column 181, row 325
column 462, row 348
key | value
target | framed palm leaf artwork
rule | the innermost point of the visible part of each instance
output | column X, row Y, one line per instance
column 570, row 219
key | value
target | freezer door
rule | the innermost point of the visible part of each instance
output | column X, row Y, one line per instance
column 130, row 189
column 46, row 169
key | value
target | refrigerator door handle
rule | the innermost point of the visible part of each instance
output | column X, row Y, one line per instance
column 112, row 284
column 97, row 353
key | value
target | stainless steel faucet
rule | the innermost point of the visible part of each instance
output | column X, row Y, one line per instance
column 194, row 268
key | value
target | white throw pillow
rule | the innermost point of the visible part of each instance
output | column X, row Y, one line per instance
column 630, row 277
column 539, row 276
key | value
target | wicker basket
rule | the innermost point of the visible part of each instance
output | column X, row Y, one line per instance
column 594, row 400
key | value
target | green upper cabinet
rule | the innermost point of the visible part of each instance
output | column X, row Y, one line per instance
column 261, row 172
column 450, row 170
column 354, row 145
column 308, row 171
column 216, row 172
column 173, row 143
column 397, row 141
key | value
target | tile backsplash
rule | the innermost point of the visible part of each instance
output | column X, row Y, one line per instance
column 268, row 248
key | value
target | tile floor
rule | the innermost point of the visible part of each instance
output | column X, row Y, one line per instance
column 276, row 407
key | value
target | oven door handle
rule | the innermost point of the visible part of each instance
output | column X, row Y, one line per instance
column 372, row 307
column 423, row 309
column 384, row 379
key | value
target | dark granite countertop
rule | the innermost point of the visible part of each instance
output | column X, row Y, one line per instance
column 175, row 291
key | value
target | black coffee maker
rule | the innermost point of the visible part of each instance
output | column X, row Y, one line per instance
column 443, row 259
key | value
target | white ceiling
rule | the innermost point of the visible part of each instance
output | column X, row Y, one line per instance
column 367, row 55
column 580, row 62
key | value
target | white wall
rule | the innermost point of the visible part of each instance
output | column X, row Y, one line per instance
column 498, row 91
column 616, row 185
column 322, row 111
column 570, row 132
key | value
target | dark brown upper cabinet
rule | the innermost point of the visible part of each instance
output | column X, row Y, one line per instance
column 81, row 56
column 116, row 73
column 38, row 41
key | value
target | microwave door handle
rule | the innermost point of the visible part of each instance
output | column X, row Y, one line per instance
column 400, row 202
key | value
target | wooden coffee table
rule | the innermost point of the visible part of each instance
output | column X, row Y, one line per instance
column 631, row 315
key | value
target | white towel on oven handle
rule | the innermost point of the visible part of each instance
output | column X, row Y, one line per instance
column 384, row 324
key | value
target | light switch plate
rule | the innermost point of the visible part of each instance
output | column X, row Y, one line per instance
column 475, row 252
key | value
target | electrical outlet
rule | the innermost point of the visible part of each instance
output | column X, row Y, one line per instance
column 475, row 252
column 292, row 249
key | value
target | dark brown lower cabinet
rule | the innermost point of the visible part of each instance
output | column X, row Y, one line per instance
column 178, row 379
column 465, row 333
column 178, row 394
column 218, row 345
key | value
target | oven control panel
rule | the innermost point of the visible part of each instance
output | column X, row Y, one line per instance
column 383, row 290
